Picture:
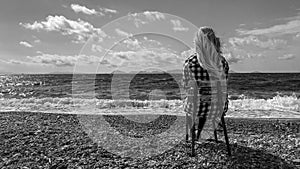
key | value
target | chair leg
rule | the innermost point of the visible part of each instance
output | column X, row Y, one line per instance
column 226, row 136
column 193, row 139
column 186, row 128
column 216, row 136
column 200, row 126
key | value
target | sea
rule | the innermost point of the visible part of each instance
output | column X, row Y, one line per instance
column 68, row 93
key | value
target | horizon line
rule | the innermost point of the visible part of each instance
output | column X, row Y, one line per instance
column 15, row 73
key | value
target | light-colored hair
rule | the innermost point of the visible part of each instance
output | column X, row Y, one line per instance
column 212, row 37
column 208, row 51
column 209, row 57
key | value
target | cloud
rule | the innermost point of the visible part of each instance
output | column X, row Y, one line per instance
column 253, row 40
column 62, row 60
column 128, row 54
column 290, row 27
column 123, row 33
column 122, row 56
column 177, row 26
column 287, row 57
column 36, row 40
column 235, row 54
column 271, row 41
column 96, row 48
column 231, row 58
column 80, row 29
column 132, row 44
column 17, row 62
column 143, row 58
column 106, row 10
column 26, row 44
column 151, row 42
column 146, row 17
column 252, row 46
column 104, row 62
column 154, row 15
column 107, row 63
column 14, row 62
column 187, row 53
column 83, row 9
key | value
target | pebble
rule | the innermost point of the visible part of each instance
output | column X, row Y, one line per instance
column 296, row 161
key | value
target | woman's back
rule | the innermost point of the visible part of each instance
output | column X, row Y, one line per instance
column 194, row 71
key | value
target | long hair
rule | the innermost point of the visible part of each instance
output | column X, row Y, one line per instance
column 208, row 49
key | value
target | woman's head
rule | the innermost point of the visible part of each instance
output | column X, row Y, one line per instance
column 211, row 36
column 208, row 51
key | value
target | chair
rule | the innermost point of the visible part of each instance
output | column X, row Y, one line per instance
column 191, row 125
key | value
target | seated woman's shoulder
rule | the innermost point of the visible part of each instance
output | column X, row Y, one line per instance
column 223, row 59
column 191, row 57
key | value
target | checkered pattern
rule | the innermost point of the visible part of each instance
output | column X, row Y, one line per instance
column 193, row 71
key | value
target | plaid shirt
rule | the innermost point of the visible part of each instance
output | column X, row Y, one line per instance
column 193, row 71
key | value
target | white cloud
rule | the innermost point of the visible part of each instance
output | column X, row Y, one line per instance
column 106, row 10
column 83, row 9
column 80, row 29
column 14, row 62
column 37, row 41
column 34, row 26
column 26, row 44
column 154, row 15
column 187, row 53
column 132, row 44
column 62, row 60
column 253, row 40
column 254, row 55
column 231, row 58
column 259, row 42
column 123, row 33
column 236, row 54
column 177, row 26
column 107, row 63
column 146, row 17
column 296, row 37
column 124, row 54
column 18, row 62
column 127, row 54
column 143, row 58
column 96, row 48
column 287, row 57
column 291, row 27
column 270, row 41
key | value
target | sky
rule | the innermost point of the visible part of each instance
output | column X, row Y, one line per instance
column 88, row 36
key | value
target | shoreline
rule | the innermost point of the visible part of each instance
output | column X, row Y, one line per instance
column 229, row 115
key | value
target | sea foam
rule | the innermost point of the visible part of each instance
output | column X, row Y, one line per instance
column 104, row 106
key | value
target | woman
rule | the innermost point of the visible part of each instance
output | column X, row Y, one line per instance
column 203, row 68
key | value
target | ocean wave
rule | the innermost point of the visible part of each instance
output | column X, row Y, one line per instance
column 81, row 105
